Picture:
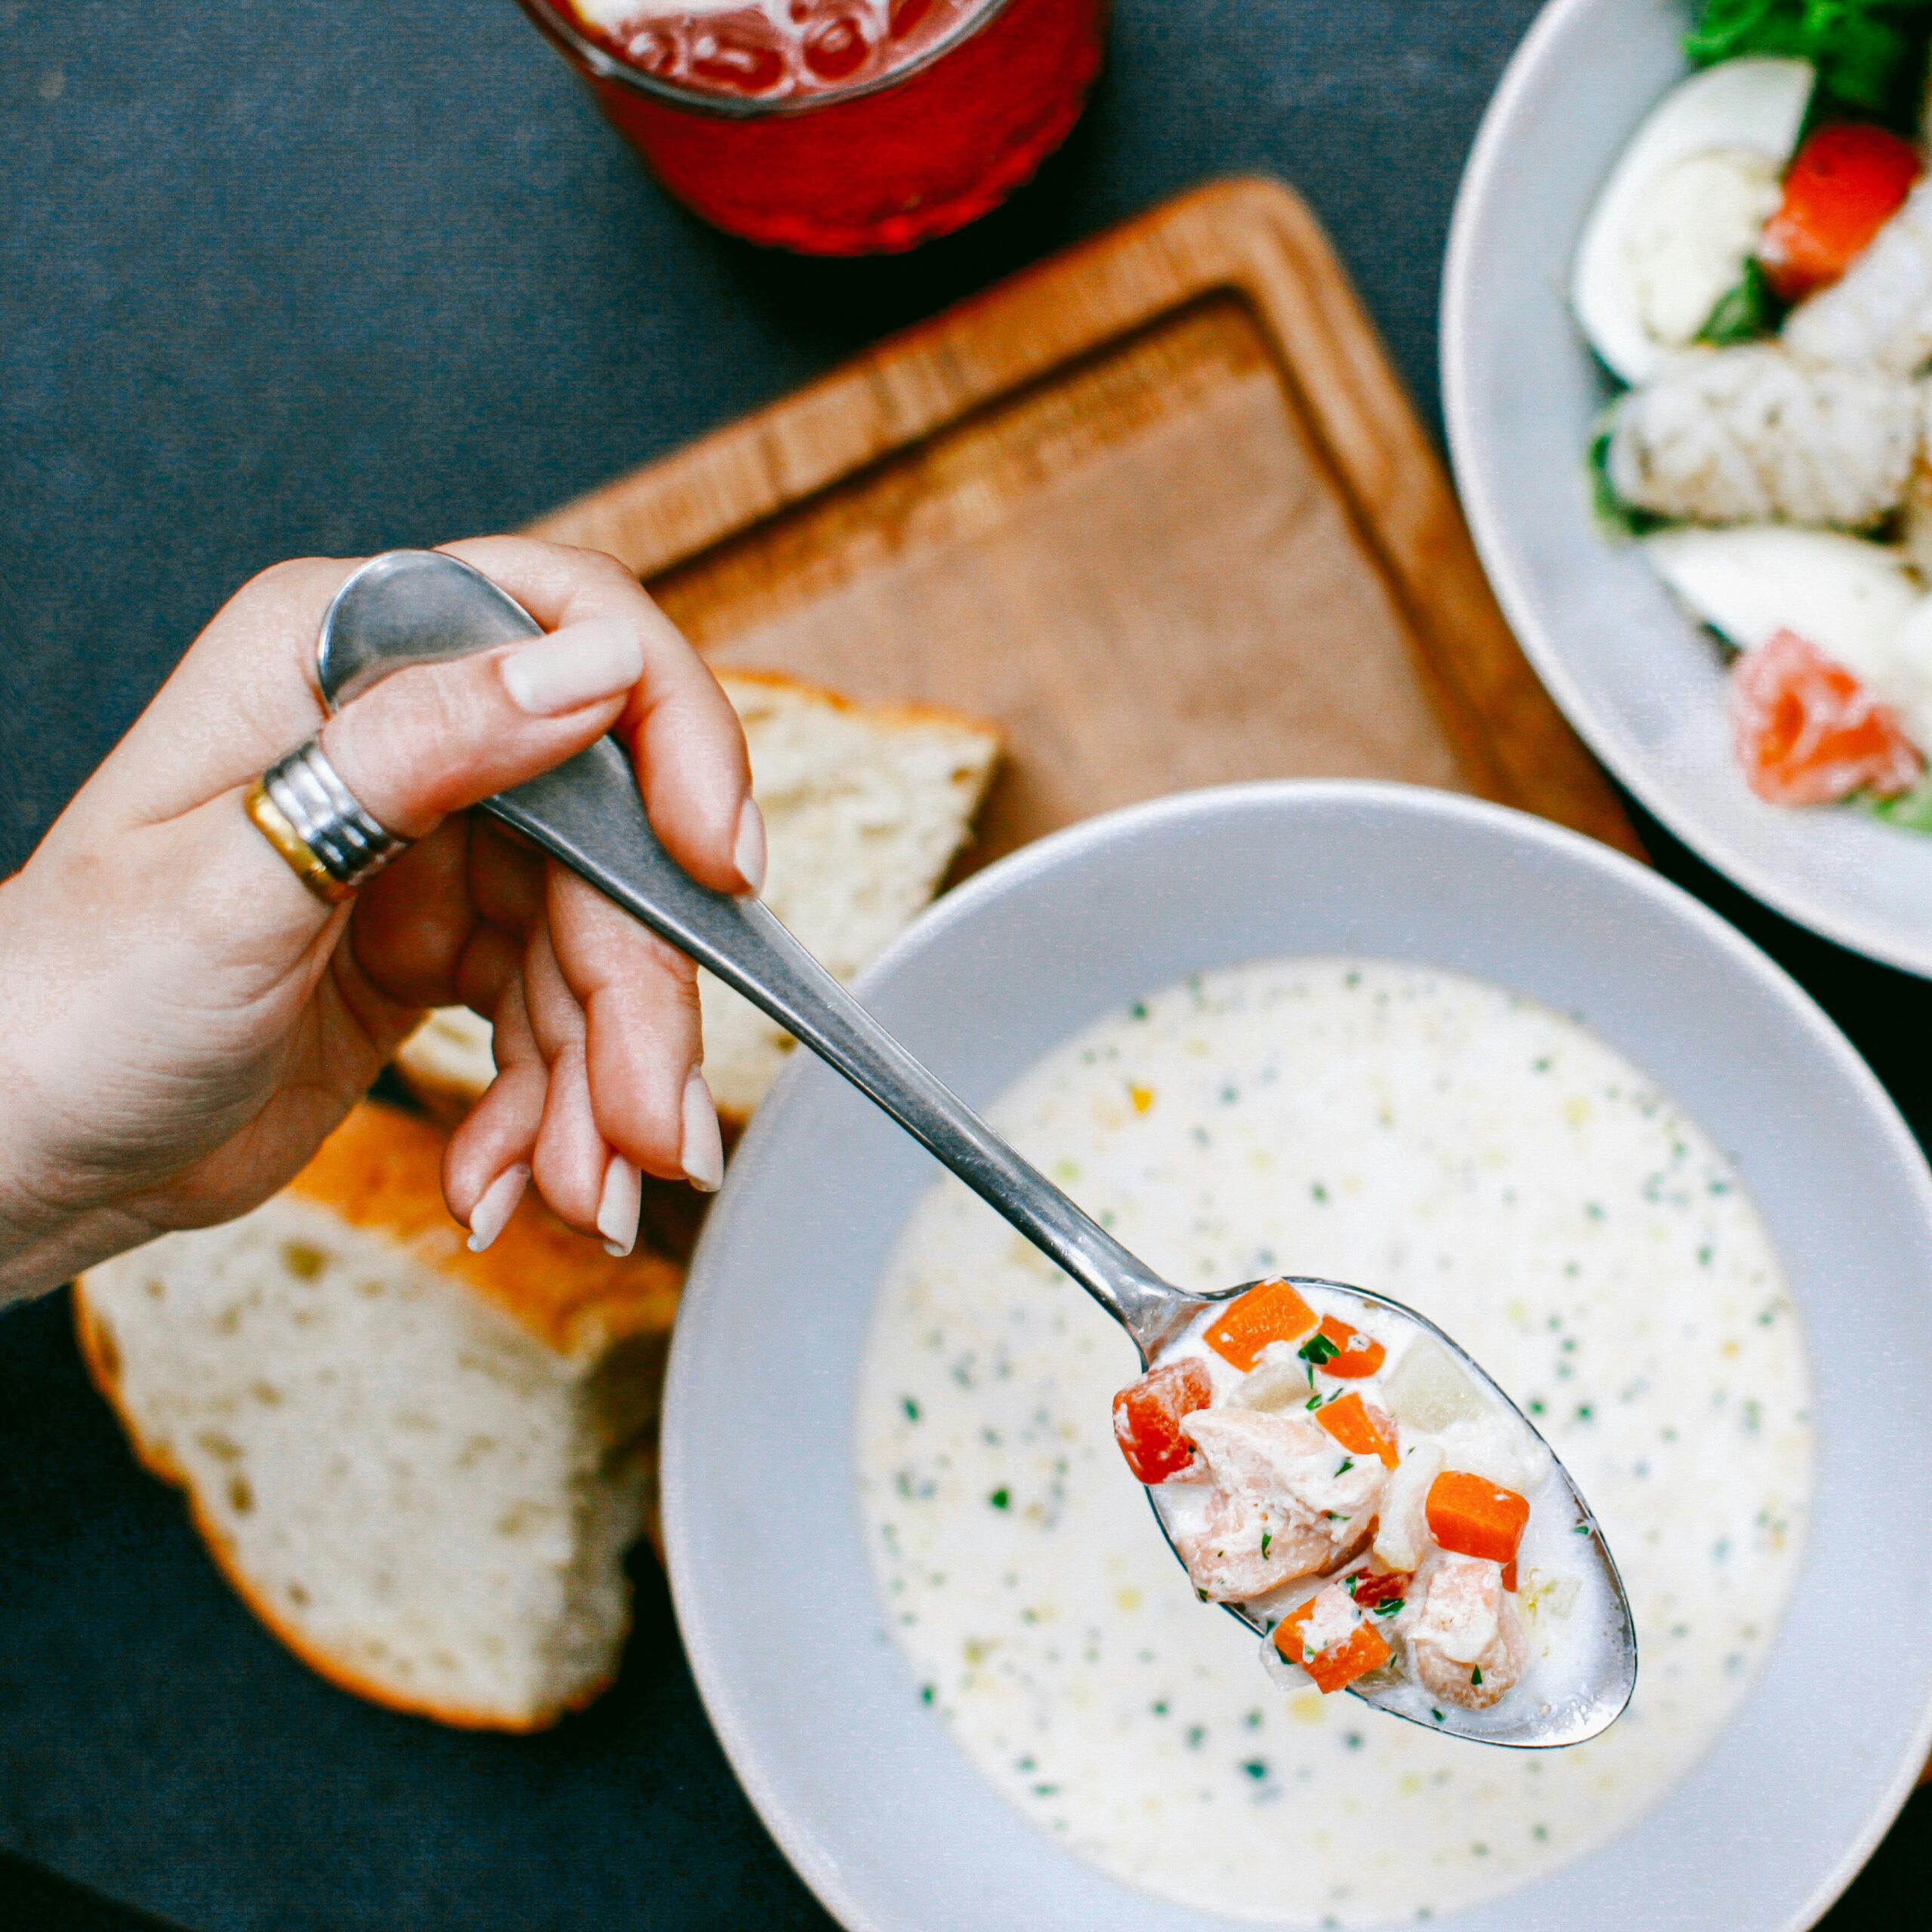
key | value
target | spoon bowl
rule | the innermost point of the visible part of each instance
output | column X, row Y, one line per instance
column 413, row 607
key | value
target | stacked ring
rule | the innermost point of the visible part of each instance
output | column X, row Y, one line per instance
column 302, row 808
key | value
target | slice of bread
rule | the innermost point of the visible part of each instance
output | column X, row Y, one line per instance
column 421, row 1467
column 865, row 806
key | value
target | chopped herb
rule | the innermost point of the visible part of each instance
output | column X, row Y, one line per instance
column 1267, row 1537
column 925, row 1694
column 1001, row 1499
column 1317, row 1349
column 1345, row 1466
column 1202, row 1594
column 1475, row 1675
column 912, row 1410
column 1320, row 1194
column 1582, row 1529
column 1618, row 521
column 1388, row 1607
column 1334, row 1516
column 1139, row 1009
column 1256, row 1769
column 1435, row 1714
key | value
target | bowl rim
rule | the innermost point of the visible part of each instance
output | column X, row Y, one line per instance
column 733, row 1718
column 1482, row 179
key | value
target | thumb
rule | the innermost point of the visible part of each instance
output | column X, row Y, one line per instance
column 437, row 737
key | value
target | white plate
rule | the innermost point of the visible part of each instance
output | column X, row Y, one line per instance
column 861, row 1786
column 1636, row 678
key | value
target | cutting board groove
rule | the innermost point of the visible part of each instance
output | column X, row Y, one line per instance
column 1157, row 507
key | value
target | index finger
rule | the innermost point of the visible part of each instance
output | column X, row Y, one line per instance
column 685, row 739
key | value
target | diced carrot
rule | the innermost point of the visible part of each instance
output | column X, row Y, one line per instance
column 1360, row 1429
column 1371, row 1587
column 1509, row 1576
column 1335, row 1668
column 1474, row 1517
column 1808, row 732
column 1272, row 1312
column 1350, row 1354
column 1847, row 181
column 1147, row 1417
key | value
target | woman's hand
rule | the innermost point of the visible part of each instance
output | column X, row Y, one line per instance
column 182, row 1021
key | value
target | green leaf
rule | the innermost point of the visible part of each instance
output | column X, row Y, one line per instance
column 1317, row 1349
column 1745, row 313
column 1619, row 522
column 1911, row 811
column 1870, row 54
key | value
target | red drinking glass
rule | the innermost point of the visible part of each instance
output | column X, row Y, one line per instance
column 835, row 127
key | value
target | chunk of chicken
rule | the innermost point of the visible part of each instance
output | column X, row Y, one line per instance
column 1464, row 1634
column 1288, row 1501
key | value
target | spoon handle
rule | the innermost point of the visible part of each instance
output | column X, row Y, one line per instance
column 414, row 607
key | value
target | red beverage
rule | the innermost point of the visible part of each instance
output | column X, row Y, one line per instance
column 835, row 127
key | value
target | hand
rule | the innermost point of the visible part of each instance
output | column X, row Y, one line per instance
column 182, row 1021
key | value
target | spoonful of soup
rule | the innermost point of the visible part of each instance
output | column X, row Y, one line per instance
column 1330, row 1466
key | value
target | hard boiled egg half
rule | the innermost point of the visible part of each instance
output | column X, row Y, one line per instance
column 1683, row 209
column 1857, row 601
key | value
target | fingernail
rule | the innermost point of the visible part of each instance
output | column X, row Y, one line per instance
column 618, row 1206
column 748, row 848
column 703, row 1154
column 574, row 667
column 491, row 1215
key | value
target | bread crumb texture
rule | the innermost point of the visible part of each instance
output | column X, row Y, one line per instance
column 865, row 807
column 421, row 1467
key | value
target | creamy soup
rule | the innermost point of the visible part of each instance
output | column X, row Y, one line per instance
column 1467, row 1152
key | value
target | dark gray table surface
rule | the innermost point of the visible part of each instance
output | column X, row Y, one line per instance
column 339, row 277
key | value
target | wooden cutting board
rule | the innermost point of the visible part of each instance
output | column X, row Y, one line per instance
column 1158, row 506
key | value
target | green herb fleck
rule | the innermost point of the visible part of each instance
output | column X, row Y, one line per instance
column 1267, row 1537
column 912, row 1410
column 1435, row 1714
column 1139, row 1009
column 1475, row 1675
column 1001, row 1499
column 1256, row 1769
column 1317, row 1349
column 1388, row 1607
column 1345, row 1466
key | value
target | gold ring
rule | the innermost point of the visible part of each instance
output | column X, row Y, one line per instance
column 270, row 823
column 302, row 808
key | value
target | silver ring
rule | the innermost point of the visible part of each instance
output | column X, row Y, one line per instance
column 341, row 843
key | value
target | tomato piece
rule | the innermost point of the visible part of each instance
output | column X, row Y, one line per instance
column 1847, row 181
column 1371, row 1587
column 1474, row 1517
column 1147, row 1417
column 1360, row 1429
column 1339, row 1661
column 1807, row 732
column 1350, row 1354
column 1272, row 1312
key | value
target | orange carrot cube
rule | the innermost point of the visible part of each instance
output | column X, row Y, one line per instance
column 1338, row 1663
column 1272, row 1312
column 1360, row 1429
column 1474, row 1517
column 1350, row 1354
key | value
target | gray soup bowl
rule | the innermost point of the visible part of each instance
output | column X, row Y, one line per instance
column 1638, row 679
column 883, row 1815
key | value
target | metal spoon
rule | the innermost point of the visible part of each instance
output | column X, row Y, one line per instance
column 415, row 607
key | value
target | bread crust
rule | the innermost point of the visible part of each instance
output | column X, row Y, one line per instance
column 381, row 1171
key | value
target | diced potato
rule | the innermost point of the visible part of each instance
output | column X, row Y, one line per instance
column 1429, row 1389
column 1279, row 1380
